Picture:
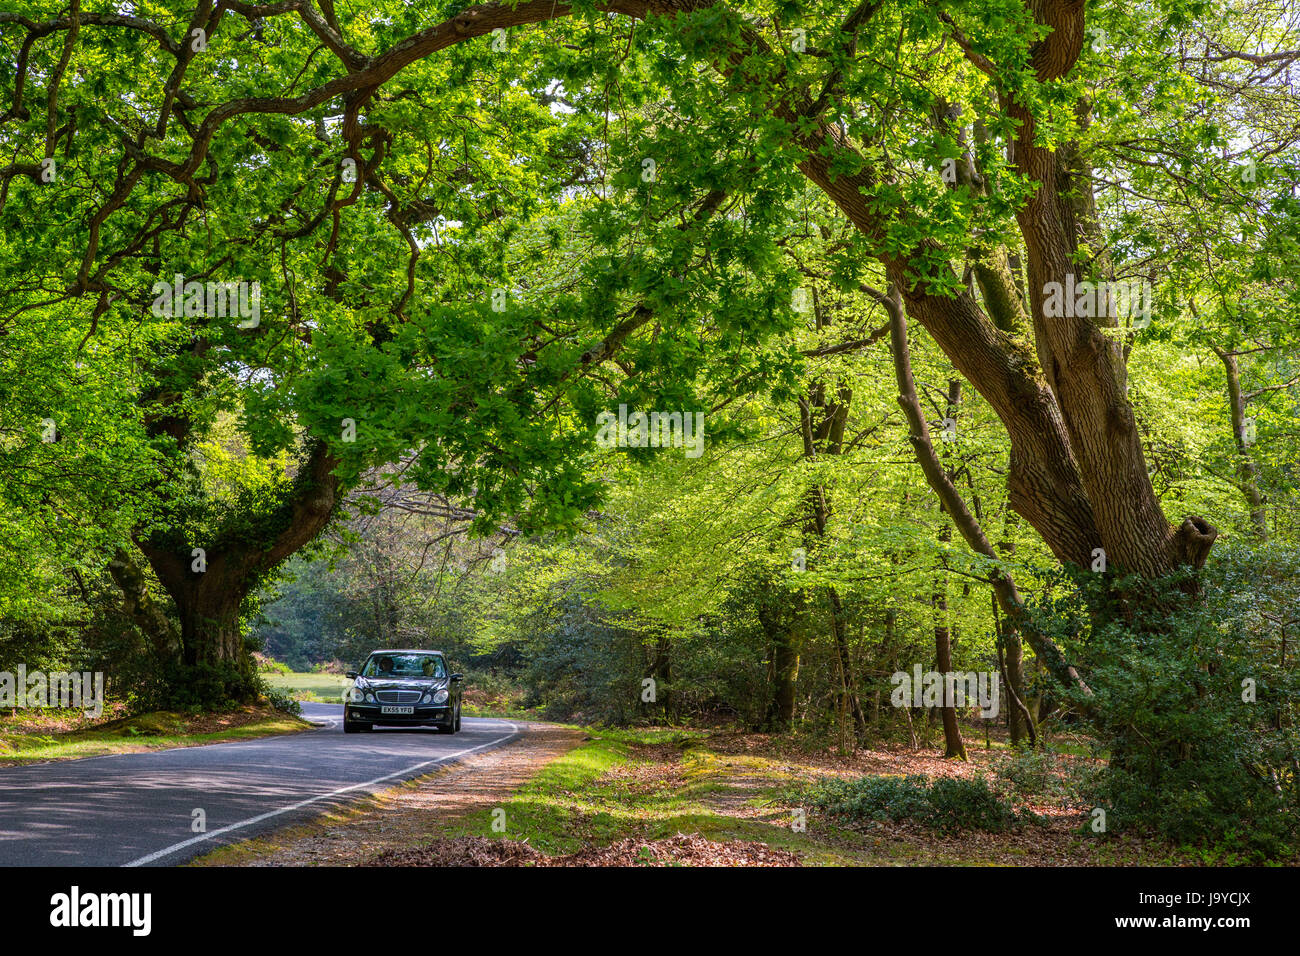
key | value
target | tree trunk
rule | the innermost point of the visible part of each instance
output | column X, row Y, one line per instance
column 661, row 671
column 785, row 678
column 1014, row 664
column 779, row 615
column 139, row 605
column 1018, row 720
column 1247, row 479
column 848, row 698
column 954, row 746
column 207, row 603
column 1080, row 356
column 210, row 629
column 1011, row 663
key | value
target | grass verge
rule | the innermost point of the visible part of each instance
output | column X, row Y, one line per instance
column 160, row 730
column 612, row 787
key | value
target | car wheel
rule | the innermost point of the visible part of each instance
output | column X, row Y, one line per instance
column 452, row 725
column 458, row 716
column 355, row 727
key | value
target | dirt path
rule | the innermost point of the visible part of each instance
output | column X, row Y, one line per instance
column 409, row 814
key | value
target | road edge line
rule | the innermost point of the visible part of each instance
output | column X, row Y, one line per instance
column 230, row 828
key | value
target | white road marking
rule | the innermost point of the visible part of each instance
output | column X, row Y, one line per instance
column 158, row 855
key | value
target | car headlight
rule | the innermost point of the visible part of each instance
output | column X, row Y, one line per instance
column 370, row 697
column 426, row 698
column 356, row 695
column 441, row 697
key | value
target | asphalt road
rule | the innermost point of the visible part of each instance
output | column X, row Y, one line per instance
column 138, row 809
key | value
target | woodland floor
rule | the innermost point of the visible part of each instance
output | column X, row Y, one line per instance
column 566, row 796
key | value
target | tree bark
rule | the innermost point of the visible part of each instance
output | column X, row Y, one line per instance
column 139, row 606
column 1247, row 477
column 1015, row 675
column 785, row 678
column 780, row 615
column 954, row 746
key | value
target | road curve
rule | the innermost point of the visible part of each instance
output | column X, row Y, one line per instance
column 139, row 809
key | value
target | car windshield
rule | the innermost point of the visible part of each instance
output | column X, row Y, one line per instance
column 404, row 665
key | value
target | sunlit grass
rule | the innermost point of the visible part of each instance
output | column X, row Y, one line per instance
column 160, row 730
column 311, row 686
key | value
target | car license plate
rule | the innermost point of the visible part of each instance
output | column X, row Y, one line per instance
column 397, row 710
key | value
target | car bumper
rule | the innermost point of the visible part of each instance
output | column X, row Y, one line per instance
column 423, row 715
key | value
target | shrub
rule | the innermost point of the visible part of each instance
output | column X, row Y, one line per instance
column 948, row 804
column 1192, row 704
column 194, row 687
column 1045, row 772
column 282, row 700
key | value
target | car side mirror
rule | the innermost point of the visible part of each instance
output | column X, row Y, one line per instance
column 457, row 678
column 351, row 675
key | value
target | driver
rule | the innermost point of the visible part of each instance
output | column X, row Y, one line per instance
column 386, row 666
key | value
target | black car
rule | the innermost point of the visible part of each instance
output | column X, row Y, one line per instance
column 403, row 689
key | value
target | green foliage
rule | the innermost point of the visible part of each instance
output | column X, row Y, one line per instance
column 282, row 700
column 587, row 668
column 947, row 804
column 1044, row 772
column 268, row 665
column 41, row 645
column 1193, row 704
column 195, row 687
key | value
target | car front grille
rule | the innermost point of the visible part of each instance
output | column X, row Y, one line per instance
column 397, row 696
